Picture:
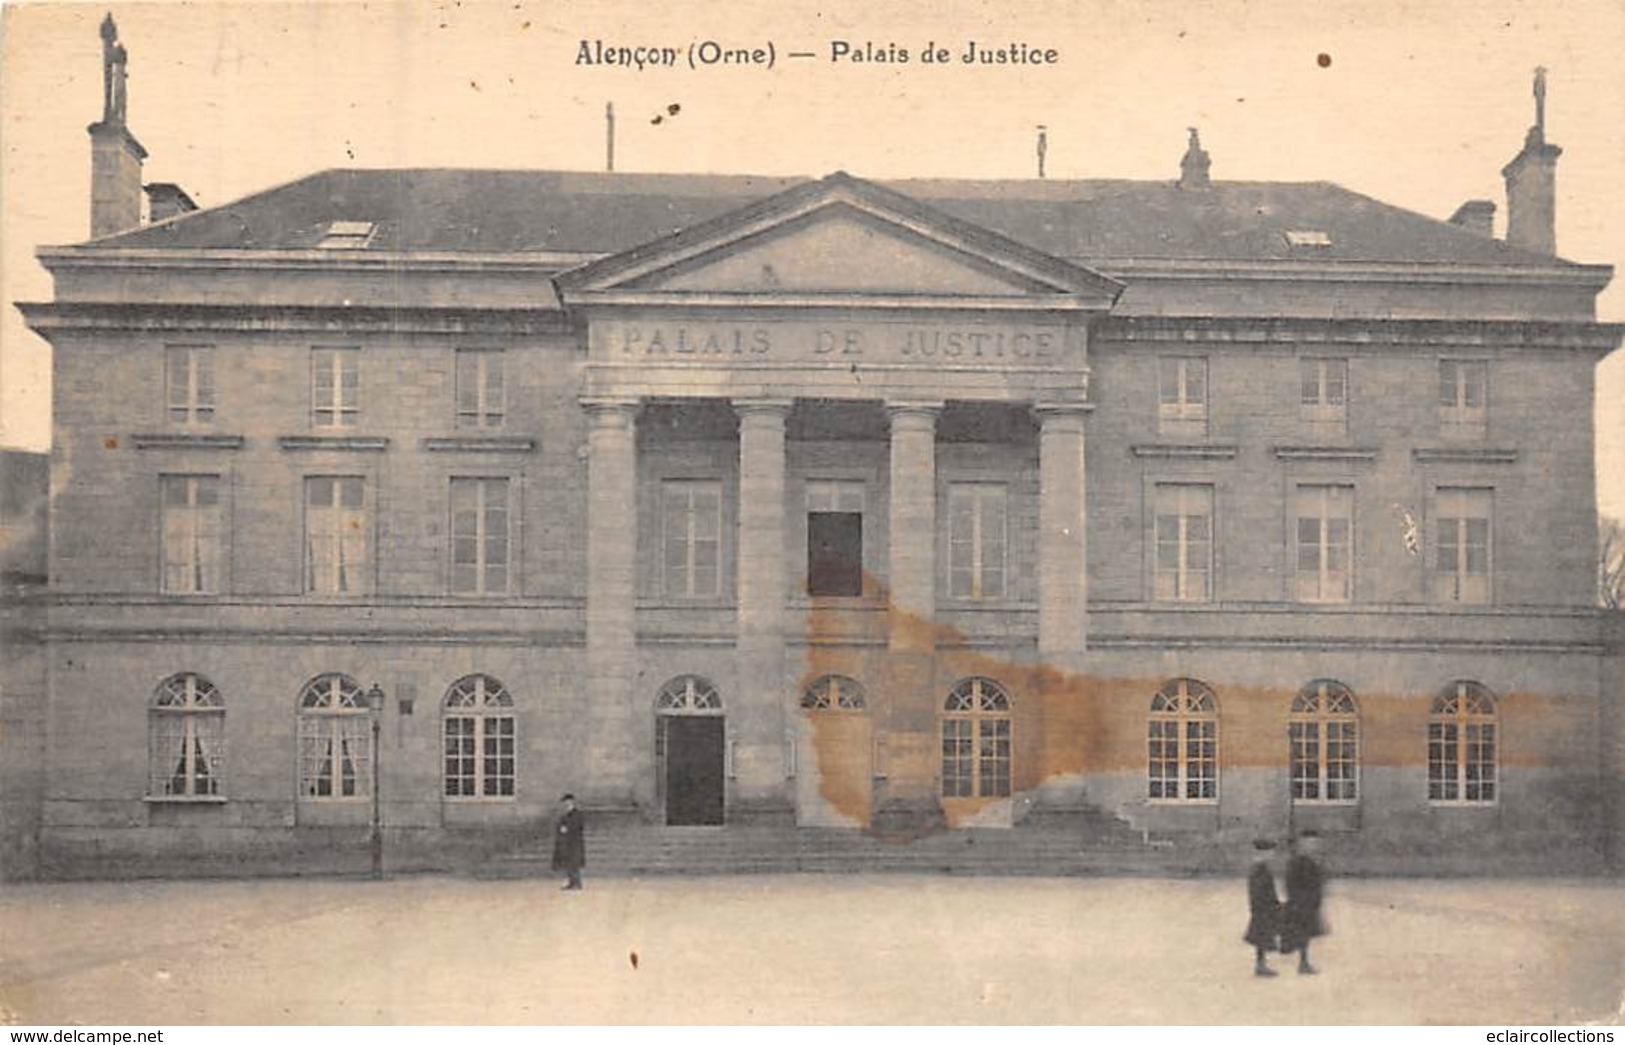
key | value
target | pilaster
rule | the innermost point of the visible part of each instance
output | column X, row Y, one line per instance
column 1063, row 583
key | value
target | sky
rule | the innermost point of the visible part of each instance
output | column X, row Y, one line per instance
column 1416, row 102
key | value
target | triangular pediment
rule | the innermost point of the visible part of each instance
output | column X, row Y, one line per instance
column 839, row 239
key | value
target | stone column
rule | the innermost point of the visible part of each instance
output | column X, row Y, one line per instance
column 1063, row 584
column 614, row 768
column 911, row 575
column 757, row 718
column 909, row 801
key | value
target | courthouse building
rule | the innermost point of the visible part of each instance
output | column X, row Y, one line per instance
column 1211, row 508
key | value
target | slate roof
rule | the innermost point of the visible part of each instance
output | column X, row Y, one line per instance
column 497, row 211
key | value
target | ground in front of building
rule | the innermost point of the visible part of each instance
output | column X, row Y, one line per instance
column 799, row 949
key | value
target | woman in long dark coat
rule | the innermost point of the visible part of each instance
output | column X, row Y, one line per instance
column 1264, row 907
column 1300, row 917
column 570, row 843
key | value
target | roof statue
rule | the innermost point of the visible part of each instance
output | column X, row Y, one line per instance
column 1540, row 103
column 114, row 62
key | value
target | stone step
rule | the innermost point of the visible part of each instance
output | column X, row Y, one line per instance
column 1051, row 849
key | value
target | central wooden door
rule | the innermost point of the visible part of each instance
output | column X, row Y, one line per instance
column 694, row 769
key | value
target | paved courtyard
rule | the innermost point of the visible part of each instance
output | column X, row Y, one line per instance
column 803, row 949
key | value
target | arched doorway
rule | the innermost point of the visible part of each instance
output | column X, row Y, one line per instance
column 690, row 751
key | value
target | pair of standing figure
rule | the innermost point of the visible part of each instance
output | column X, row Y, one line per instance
column 1290, row 926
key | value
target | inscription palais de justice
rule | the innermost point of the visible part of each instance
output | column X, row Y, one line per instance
column 908, row 343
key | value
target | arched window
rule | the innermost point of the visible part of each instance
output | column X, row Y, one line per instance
column 478, row 732
column 688, row 695
column 1183, row 742
column 186, row 739
column 834, row 693
column 1324, row 742
column 1462, row 744
column 335, row 739
column 976, row 740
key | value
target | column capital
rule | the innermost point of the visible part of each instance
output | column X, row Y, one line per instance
column 913, row 414
column 611, row 411
column 762, row 406
column 1061, row 415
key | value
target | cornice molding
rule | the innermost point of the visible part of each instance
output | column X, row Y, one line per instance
column 1594, row 277
column 47, row 317
column 1383, row 643
column 542, row 263
column 1055, row 303
column 1431, row 333
column 556, row 262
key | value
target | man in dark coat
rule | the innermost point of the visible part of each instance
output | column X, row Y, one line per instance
column 1300, row 917
column 1263, row 928
column 570, row 842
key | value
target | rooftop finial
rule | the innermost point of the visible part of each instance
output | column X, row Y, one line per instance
column 114, row 61
column 1193, row 169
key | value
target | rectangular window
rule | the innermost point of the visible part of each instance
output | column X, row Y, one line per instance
column 1183, row 744
column 335, row 387
column 335, row 756
column 993, row 740
column 1462, row 553
column 480, row 536
column 977, row 514
column 479, row 756
column 1201, row 759
column 835, row 537
column 1446, row 780
column 192, row 534
column 1325, row 761
column 691, row 511
column 1164, row 758
column 1342, row 762
column 1463, row 397
column 337, row 536
column 480, row 395
column 1479, row 765
column 1323, row 390
column 1182, row 391
column 1184, row 543
column 189, row 374
column 958, row 758
column 1325, row 529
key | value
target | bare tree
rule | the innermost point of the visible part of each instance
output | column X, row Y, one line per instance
column 1611, row 562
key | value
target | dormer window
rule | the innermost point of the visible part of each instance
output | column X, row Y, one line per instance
column 1307, row 238
column 346, row 235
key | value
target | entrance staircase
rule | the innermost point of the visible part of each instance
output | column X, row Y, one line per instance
column 1055, row 844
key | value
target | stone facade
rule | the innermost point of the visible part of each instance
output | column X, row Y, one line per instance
column 836, row 508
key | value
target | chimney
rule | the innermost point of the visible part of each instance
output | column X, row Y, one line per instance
column 115, row 155
column 1194, row 167
column 1476, row 216
column 167, row 200
column 1531, row 180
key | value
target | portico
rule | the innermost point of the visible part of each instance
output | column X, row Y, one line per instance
column 860, row 320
